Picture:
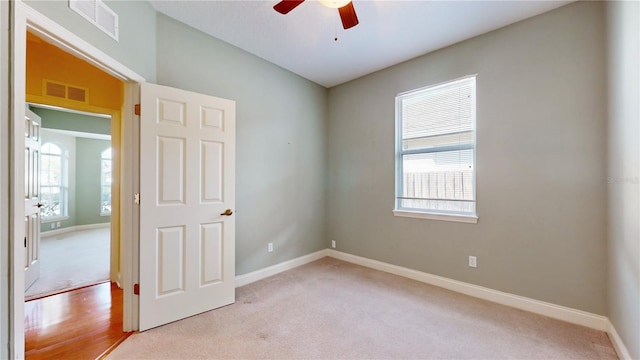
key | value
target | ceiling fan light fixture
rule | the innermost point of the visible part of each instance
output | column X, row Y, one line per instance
column 345, row 9
column 334, row 4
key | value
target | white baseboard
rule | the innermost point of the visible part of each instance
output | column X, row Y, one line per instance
column 72, row 229
column 578, row 317
column 254, row 276
column 574, row 316
column 618, row 345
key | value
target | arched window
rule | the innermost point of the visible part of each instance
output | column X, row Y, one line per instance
column 53, row 186
column 105, row 182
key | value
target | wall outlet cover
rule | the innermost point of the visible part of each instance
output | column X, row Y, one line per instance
column 473, row 261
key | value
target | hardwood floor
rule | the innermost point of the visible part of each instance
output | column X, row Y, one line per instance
column 79, row 324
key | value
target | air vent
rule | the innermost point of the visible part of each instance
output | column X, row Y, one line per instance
column 97, row 13
column 86, row 8
column 77, row 94
column 57, row 90
column 64, row 91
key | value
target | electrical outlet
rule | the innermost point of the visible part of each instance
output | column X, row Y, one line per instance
column 53, row 225
column 270, row 247
column 58, row 224
column 473, row 261
column 333, row 244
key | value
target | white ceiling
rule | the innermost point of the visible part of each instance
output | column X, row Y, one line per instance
column 389, row 32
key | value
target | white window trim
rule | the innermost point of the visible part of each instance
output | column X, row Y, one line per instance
column 469, row 219
column 104, row 213
column 64, row 190
column 425, row 214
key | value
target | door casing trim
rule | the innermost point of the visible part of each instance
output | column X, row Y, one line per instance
column 26, row 18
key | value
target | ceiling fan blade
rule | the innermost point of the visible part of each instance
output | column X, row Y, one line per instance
column 285, row 6
column 348, row 16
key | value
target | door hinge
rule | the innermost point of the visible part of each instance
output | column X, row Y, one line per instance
column 136, row 289
column 136, row 198
column 25, row 241
column 136, row 109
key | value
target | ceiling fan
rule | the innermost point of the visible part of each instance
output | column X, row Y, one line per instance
column 345, row 8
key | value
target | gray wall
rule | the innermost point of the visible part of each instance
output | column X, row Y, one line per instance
column 280, row 142
column 88, row 181
column 136, row 45
column 623, row 20
column 68, row 143
column 541, row 189
column 84, row 184
column 542, row 172
column 53, row 119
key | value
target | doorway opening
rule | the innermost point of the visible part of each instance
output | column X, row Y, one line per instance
column 29, row 22
column 75, row 197
column 78, row 107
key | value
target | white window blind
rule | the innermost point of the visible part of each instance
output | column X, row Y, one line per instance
column 435, row 155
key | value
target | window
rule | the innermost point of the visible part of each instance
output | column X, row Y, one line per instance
column 435, row 152
column 53, row 186
column 105, row 182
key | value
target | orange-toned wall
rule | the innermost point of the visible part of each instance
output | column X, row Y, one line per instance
column 45, row 61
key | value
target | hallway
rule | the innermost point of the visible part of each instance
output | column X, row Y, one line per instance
column 81, row 324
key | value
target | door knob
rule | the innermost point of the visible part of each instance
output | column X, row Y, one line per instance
column 39, row 205
column 227, row 212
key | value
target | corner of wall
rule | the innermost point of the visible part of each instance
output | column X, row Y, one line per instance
column 623, row 136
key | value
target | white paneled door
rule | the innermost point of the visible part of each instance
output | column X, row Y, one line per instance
column 32, row 125
column 187, row 200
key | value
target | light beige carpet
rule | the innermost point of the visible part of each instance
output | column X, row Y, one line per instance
column 72, row 260
column 330, row 309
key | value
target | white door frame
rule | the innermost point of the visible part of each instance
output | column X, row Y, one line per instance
column 5, row 151
column 25, row 17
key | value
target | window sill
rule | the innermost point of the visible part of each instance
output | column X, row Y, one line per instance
column 53, row 219
column 470, row 219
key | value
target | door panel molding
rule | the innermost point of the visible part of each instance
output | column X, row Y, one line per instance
column 32, row 199
column 187, row 177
